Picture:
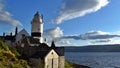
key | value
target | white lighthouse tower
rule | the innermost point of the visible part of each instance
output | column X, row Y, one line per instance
column 37, row 27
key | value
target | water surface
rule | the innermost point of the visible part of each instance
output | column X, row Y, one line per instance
column 95, row 59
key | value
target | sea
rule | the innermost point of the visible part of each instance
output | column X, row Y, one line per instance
column 94, row 59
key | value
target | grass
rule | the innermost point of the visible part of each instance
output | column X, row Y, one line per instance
column 73, row 65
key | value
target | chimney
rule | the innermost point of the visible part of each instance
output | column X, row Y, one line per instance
column 3, row 34
column 11, row 34
column 16, row 31
column 52, row 44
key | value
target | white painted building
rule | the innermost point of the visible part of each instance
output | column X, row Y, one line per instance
column 51, row 59
column 20, row 35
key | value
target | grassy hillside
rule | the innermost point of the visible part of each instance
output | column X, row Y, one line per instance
column 8, row 57
column 72, row 65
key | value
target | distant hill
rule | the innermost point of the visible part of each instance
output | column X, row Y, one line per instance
column 94, row 48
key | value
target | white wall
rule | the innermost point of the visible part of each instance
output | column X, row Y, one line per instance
column 51, row 60
column 19, row 35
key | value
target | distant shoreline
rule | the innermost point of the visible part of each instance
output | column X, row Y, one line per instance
column 93, row 48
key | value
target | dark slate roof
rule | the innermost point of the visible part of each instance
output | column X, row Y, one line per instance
column 59, row 51
column 44, row 45
column 40, row 54
column 11, row 38
column 31, row 40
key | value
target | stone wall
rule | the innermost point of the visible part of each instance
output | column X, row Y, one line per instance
column 61, row 62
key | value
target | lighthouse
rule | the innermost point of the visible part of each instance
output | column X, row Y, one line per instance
column 37, row 27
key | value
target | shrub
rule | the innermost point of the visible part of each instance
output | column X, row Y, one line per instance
column 3, row 46
column 14, row 50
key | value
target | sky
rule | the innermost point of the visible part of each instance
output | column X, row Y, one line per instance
column 67, row 22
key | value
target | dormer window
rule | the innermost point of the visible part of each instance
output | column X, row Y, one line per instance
column 52, row 53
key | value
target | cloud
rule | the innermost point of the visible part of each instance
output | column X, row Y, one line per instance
column 71, row 9
column 53, row 33
column 6, row 17
column 93, row 35
column 65, row 42
column 102, row 41
column 56, row 34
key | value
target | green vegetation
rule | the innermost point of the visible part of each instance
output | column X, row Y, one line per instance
column 68, row 65
column 72, row 65
column 9, row 57
column 3, row 46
